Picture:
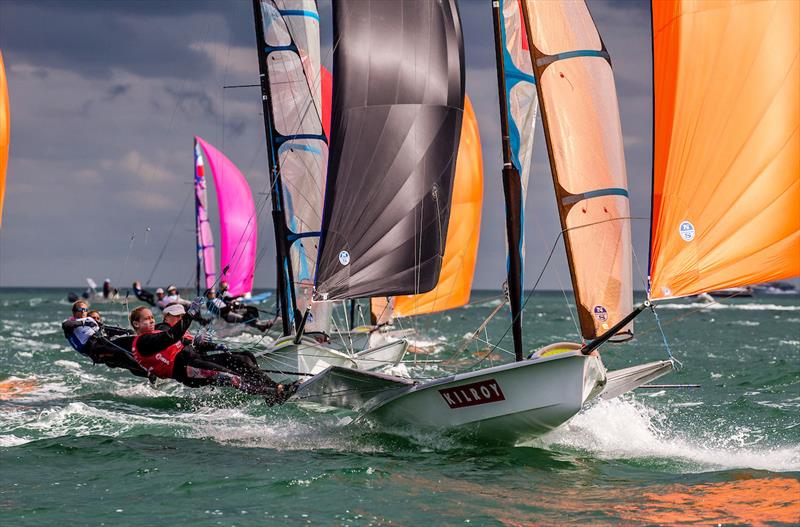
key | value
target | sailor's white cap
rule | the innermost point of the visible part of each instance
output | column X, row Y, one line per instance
column 159, row 290
column 174, row 309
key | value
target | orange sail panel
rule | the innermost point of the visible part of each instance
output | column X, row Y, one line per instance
column 578, row 103
column 726, row 167
column 5, row 133
column 461, row 248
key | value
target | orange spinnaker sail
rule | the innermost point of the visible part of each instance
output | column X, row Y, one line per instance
column 463, row 231
column 726, row 176
column 5, row 133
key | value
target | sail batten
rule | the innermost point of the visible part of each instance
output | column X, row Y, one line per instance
column 582, row 128
column 395, row 129
column 726, row 154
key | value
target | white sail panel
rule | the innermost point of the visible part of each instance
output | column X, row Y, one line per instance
column 294, row 77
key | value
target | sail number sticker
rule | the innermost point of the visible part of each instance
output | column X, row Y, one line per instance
column 344, row 257
column 473, row 394
column 601, row 313
column 686, row 231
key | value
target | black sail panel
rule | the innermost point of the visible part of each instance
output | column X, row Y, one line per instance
column 398, row 100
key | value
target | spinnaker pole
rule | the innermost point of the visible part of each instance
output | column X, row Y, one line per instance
column 512, row 189
column 286, row 299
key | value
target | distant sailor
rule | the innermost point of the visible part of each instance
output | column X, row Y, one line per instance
column 165, row 355
column 234, row 312
column 103, row 344
column 143, row 294
column 161, row 300
column 174, row 297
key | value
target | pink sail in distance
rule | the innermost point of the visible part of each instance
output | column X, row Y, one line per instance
column 238, row 221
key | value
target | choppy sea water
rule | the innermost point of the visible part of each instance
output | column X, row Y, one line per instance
column 85, row 445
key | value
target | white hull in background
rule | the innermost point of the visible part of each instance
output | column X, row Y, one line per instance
column 504, row 403
column 284, row 359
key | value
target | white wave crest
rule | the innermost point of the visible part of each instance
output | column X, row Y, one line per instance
column 626, row 429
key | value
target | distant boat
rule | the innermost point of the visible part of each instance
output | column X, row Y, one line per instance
column 775, row 288
column 238, row 223
column 733, row 292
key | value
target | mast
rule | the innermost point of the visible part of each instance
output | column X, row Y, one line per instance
column 285, row 291
column 512, row 190
column 197, row 226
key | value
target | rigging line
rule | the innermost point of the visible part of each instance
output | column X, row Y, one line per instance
column 121, row 274
column 169, row 236
column 527, row 298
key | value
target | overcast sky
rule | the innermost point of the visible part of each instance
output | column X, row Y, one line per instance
column 106, row 97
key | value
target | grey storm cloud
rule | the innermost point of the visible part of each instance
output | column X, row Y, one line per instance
column 106, row 97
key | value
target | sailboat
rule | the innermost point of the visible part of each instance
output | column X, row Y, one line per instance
column 705, row 194
column 287, row 35
column 238, row 223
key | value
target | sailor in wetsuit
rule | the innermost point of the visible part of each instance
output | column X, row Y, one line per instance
column 143, row 294
column 234, row 312
column 103, row 344
column 165, row 355
column 241, row 362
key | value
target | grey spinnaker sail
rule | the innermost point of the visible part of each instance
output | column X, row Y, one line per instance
column 398, row 101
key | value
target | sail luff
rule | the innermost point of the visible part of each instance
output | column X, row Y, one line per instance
column 394, row 134
column 582, row 129
column 726, row 154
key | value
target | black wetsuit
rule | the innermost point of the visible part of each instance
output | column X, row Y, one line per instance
column 109, row 345
column 144, row 296
column 240, row 364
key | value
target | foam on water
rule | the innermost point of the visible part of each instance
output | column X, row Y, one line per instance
column 624, row 428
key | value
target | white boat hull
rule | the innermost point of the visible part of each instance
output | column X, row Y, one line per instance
column 502, row 404
column 284, row 360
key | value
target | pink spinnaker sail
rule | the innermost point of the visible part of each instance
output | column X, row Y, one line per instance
column 238, row 221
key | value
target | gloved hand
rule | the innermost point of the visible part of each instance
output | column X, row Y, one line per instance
column 89, row 321
column 196, row 306
column 202, row 337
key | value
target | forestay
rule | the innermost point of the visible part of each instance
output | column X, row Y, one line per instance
column 726, row 191
column 584, row 137
column 398, row 101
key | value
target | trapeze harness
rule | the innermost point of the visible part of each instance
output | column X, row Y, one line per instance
column 160, row 364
